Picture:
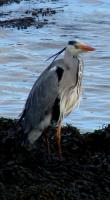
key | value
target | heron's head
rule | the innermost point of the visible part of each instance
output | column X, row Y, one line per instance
column 76, row 47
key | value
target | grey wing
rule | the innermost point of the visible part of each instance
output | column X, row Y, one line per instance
column 40, row 100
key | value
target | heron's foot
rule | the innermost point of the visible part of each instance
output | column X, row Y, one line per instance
column 57, row 158
column 47, row 143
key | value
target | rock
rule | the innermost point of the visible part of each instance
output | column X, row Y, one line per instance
column 82, row 174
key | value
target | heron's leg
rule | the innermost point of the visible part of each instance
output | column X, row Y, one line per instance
column 58, row 139
column 46, row 135
column 48, row 143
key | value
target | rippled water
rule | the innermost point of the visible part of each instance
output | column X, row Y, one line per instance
column 23, row 54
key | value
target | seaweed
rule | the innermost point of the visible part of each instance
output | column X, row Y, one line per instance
column 82, row 174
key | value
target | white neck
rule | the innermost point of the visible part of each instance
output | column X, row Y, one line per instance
column 68, row 57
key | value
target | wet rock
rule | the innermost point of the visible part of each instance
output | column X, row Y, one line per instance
column 33, row 17
column 8, row 1
column 83, row 173
column 19, row 23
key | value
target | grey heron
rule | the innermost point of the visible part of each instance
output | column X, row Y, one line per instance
column 54, row 94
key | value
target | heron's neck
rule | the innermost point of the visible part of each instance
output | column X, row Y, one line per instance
column 68, row 58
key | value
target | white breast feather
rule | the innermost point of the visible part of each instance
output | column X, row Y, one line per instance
column 71, row 99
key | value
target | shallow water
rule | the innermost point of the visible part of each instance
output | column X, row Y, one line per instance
column 23, row 54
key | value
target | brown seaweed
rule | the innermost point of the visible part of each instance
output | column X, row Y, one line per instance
column 28, row 174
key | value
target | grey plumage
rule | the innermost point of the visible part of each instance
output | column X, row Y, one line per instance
column 55, row 93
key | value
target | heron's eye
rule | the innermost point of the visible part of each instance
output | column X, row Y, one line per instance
column 76, row 46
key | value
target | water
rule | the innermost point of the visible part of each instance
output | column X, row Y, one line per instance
column 23, row 54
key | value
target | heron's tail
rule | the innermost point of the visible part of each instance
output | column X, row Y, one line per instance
column 33, row 135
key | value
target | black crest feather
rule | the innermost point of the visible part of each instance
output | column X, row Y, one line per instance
column 56, row 55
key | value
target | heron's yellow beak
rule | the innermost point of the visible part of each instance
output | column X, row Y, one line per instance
column 85, row 47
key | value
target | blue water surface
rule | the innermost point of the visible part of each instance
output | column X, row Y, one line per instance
column 23, row 54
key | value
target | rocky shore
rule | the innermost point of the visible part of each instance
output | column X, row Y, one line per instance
column 2, row 2
column 36, row 17
column 82, row 174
